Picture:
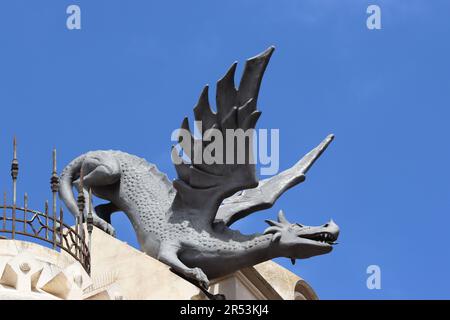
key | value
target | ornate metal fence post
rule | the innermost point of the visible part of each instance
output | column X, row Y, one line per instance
column 14, row 175
column 90, row 226
column 25, row 209
column 61, row 225
column 54, row 185
column 45, row 226
column 46, row 219
column 81, row 201
column 4, row 210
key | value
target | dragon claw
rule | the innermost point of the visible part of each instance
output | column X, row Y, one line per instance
column 201, row 277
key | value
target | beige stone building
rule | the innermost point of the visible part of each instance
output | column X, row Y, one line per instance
column 118, row 271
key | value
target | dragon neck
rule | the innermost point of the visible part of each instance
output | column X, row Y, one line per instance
column 257, row 248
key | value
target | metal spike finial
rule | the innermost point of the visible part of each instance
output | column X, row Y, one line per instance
column 54, row 160
column 14, row 148
column 54, row 180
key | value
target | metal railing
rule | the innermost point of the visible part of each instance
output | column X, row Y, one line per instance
column 47, row 226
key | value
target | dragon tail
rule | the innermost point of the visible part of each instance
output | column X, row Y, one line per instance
column 70, row 173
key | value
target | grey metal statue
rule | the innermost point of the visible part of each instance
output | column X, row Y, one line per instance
column 186, row 224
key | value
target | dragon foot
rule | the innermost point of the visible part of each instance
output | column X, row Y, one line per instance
column 199, row 276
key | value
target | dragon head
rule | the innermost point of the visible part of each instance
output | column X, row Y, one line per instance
column 301, row 242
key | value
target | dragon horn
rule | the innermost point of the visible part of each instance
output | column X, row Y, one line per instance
column 282, row 218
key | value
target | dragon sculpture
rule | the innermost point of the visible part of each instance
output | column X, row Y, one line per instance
column 186, row 224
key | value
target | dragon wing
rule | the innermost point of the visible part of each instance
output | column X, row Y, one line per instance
column 243, row 203
column 202, row 187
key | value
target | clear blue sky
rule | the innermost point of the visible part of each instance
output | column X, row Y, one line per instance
column 136, row 68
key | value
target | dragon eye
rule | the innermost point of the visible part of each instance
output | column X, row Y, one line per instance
column 300, row 225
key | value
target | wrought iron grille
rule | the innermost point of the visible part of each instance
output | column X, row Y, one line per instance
column 47, row 226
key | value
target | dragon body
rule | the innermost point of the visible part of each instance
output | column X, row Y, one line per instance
column 186, row 223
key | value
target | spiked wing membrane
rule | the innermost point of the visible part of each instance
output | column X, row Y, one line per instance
column 201, row 187
column 268, row 190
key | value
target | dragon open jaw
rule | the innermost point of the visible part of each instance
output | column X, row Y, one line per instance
column 322, row 237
